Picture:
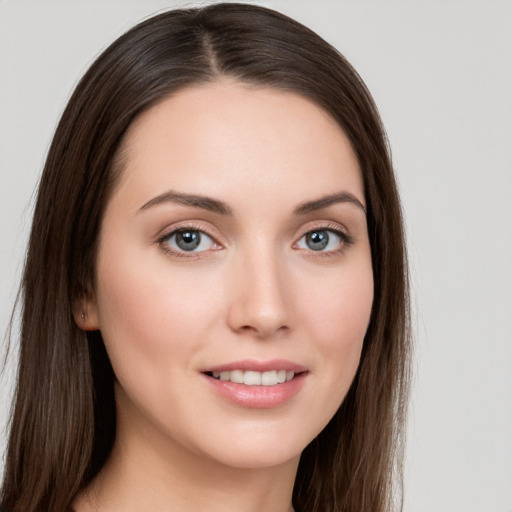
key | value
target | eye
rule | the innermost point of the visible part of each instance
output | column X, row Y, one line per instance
column 187, row 240
column 323, row 240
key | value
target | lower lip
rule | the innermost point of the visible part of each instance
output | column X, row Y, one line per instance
column 257, row 397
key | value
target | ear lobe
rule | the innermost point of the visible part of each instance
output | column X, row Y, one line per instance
column 85, row 314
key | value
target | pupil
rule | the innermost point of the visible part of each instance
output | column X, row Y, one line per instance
column 188, row 240
column 317, row 240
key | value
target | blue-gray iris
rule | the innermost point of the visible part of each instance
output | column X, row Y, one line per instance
column 317, row 240
column 188, row 240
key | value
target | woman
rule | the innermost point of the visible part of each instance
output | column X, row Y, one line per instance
column 215, row 296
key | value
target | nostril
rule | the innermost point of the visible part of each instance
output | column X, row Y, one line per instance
column 259, row 314
column 264, row 331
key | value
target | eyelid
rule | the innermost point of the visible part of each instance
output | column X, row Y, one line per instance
column 335, row 227
column 328, row 225
column 183, row 226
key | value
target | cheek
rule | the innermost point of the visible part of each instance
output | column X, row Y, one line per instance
column 338, row 315
column 340, row 305
column 148, row 312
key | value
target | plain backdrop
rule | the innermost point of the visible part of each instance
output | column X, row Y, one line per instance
column 441, row 74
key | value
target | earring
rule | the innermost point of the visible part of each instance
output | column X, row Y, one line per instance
column 82, row 316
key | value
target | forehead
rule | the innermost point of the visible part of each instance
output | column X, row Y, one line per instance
column 226, row 137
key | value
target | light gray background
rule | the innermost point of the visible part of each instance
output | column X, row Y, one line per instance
column 441, row 73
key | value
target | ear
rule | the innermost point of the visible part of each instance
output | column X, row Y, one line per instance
column 85, row 313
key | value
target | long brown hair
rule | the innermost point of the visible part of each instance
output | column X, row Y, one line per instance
column 63, row 423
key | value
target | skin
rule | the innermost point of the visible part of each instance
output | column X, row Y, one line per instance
column 254, row 290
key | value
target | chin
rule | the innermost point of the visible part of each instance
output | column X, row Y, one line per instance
column 258, row 457
column 258, row 446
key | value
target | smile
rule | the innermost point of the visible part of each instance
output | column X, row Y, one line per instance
column 257, row 384
column 254, row 378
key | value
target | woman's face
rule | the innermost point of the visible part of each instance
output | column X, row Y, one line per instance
column 233, row 256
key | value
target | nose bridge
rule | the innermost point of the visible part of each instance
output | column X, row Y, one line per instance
column 260, row 302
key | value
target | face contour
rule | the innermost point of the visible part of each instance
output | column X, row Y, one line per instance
column 233, row 255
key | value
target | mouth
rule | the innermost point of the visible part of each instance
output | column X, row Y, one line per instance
column 255, row 384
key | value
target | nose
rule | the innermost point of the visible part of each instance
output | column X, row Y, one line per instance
column 260, row 297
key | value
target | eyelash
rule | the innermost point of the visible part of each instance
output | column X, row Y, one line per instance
column 175, row 230
column 346, row 241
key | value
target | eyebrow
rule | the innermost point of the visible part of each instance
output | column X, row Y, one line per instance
column 326, row 201
column 216, row 206
column 197, row 201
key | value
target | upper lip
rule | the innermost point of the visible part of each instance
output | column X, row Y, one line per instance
column 258, row 366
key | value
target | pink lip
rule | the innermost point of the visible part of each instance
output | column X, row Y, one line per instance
column 258, row 366
column 258, row 397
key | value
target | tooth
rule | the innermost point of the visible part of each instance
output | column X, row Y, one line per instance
column 237, row 376
column 252, row 378
column 269, row 378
